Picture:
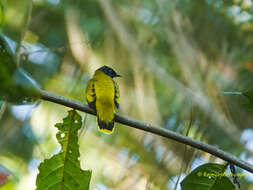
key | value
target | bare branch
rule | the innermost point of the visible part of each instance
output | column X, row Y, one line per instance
column 152, row 129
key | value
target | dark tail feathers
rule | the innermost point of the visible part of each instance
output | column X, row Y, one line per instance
column 105, row 127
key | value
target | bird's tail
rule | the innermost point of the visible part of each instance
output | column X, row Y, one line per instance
column 105, row 127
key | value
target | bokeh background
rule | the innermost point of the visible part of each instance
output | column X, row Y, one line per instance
column 176, row 58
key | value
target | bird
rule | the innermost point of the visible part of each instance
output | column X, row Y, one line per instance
column 102, row 95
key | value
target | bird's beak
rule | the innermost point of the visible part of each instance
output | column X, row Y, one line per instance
column 118, row 75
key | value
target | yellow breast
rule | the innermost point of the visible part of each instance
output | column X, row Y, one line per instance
column 104, row 90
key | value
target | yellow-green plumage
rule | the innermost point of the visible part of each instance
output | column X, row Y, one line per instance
column 102, row 94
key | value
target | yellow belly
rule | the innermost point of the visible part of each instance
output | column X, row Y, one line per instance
column 104, row 90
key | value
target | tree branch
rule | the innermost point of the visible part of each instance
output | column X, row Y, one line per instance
column 152, row 129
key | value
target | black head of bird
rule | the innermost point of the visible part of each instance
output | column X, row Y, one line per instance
column 109, row 71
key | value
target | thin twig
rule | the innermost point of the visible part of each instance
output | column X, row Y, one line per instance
column 152, row 129
column 29, row 16
column 232, row 93
column 185, row 149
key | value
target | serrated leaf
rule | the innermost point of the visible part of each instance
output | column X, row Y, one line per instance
column 207, row 177
column 63, row 170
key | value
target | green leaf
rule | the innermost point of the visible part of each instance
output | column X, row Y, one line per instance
column 207, row 177
column 63, row 170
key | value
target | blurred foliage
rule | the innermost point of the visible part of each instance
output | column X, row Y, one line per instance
column 8, row 186
column 12, row 86
column 176, row 59
column 249, row 95
column 19, row 132
column 1, row 104
column 63, row 170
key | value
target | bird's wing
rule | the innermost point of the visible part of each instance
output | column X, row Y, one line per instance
column 116, row 95
column 90, row 94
